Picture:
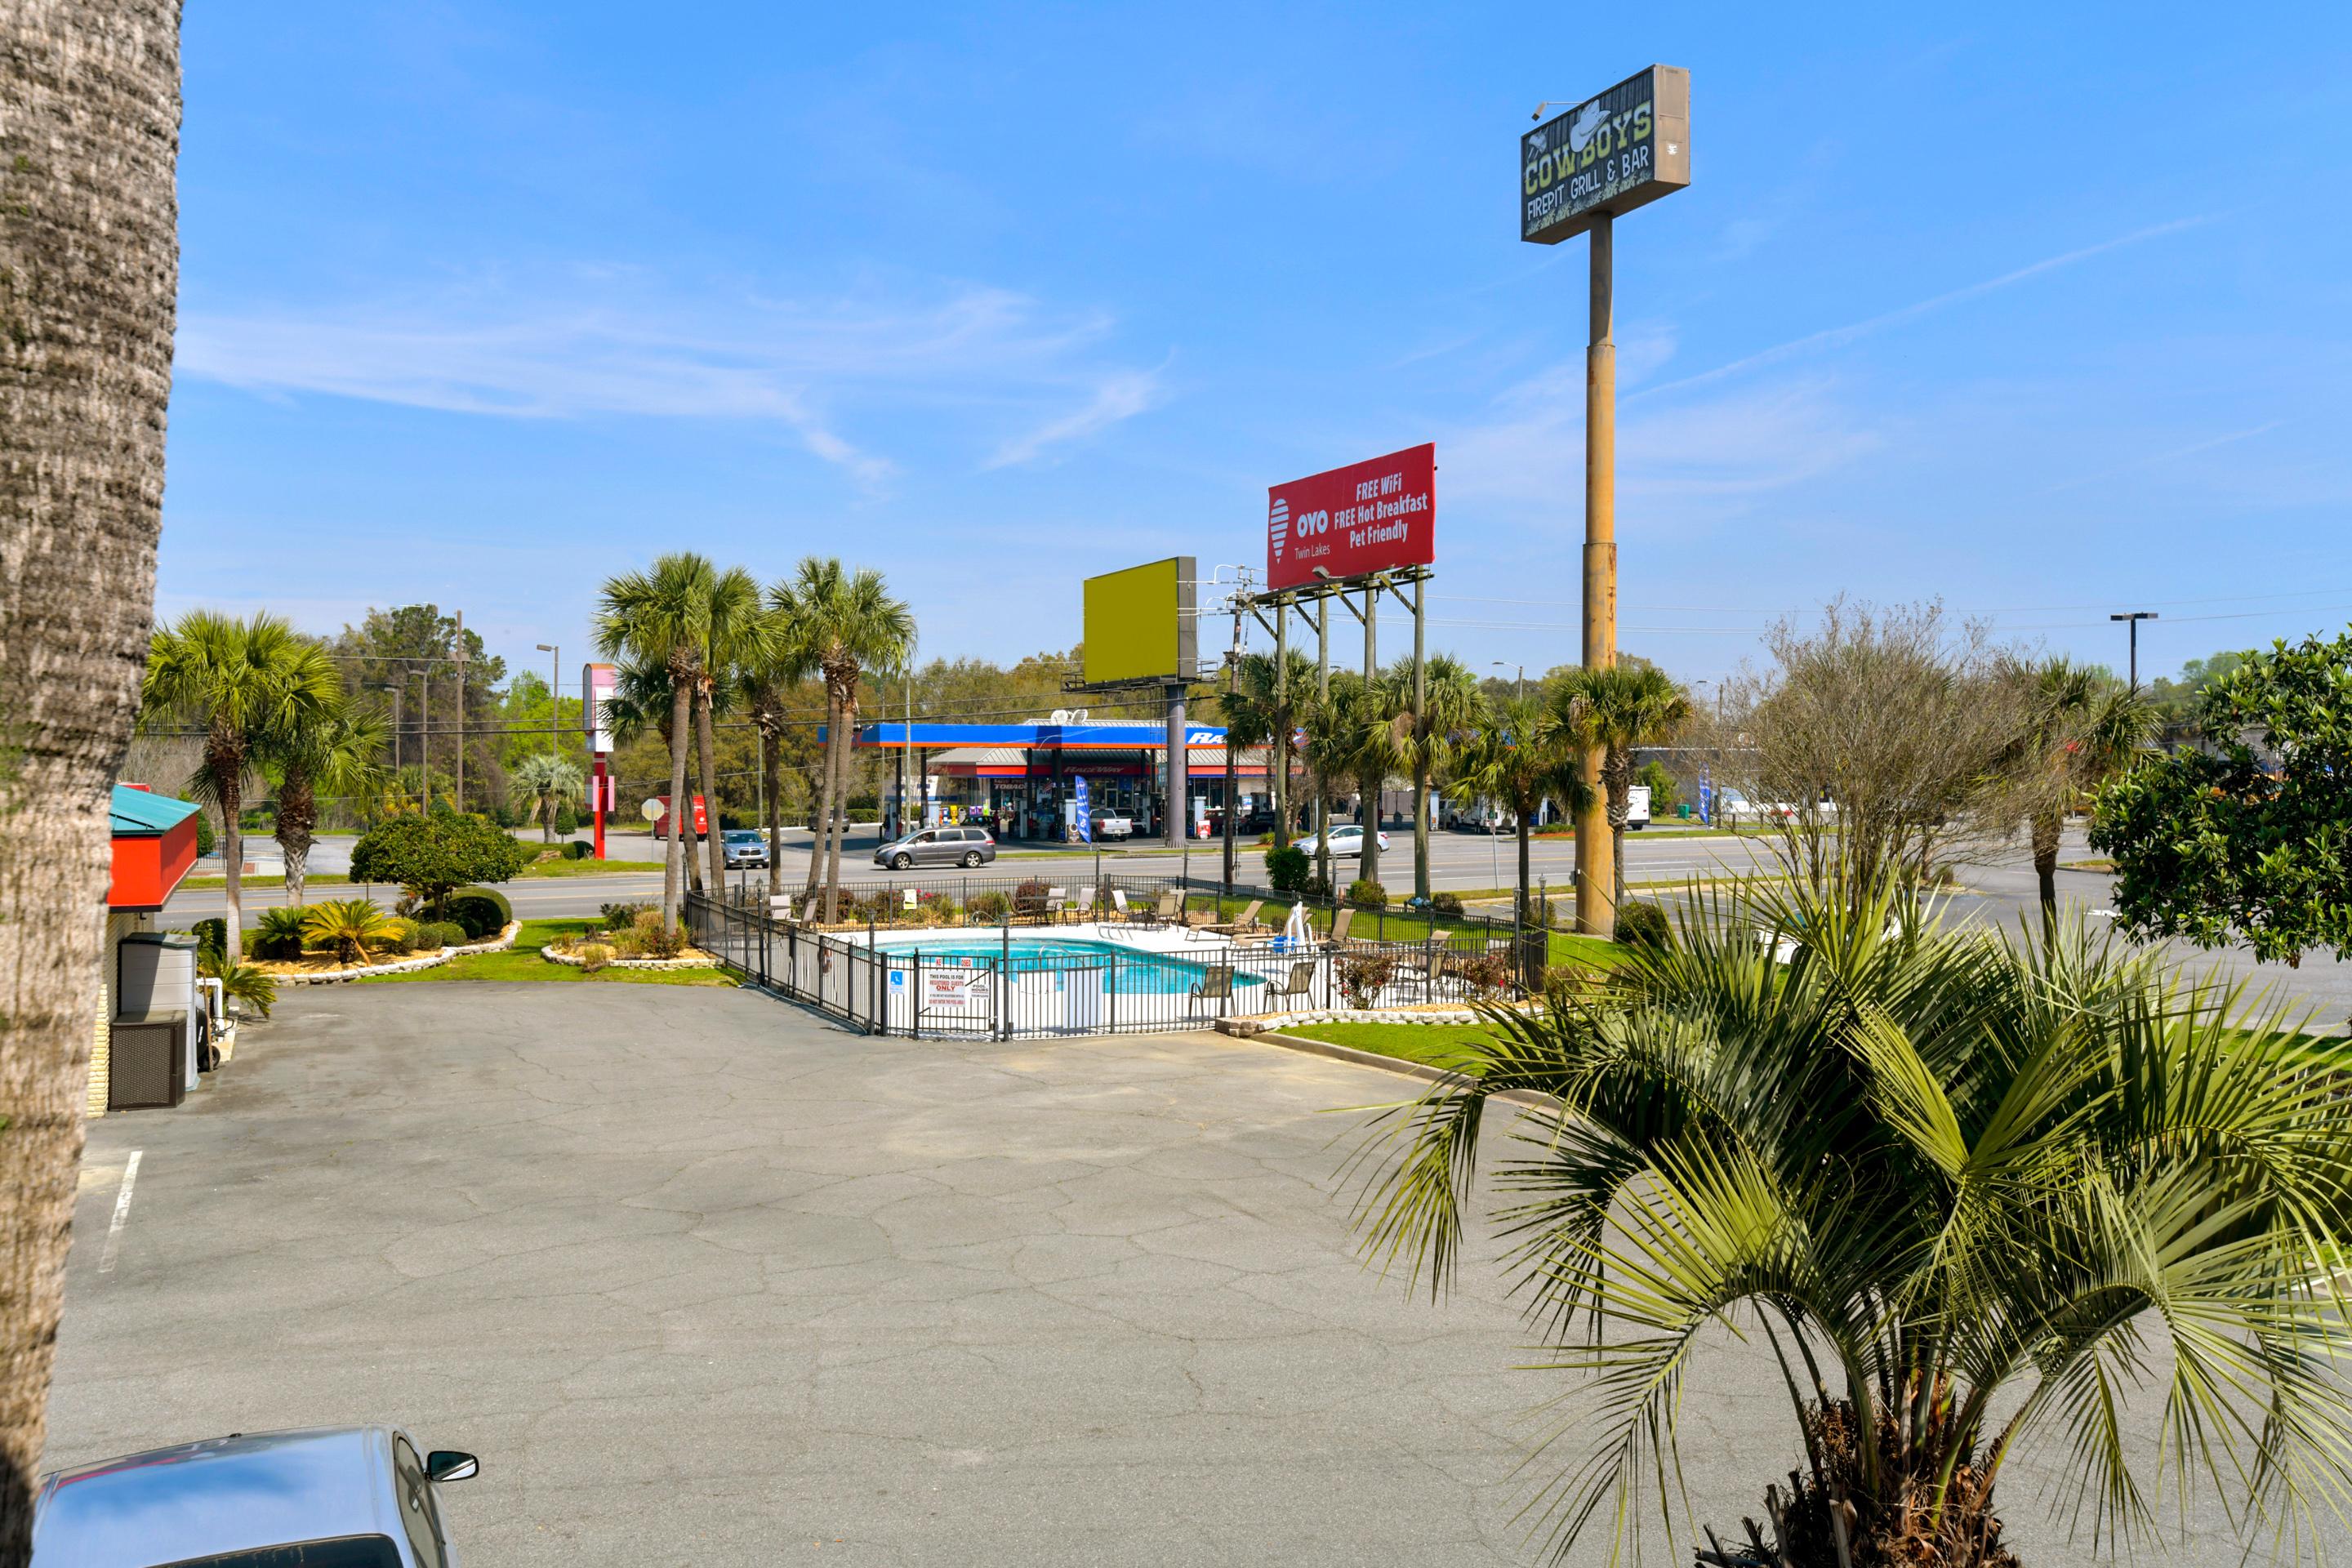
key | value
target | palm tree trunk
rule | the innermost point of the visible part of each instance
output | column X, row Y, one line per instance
column 232, row 806
column 681, row 809
column 706, row 747
column 547, row 815
column 1368, row 868
column 821, row 813
column 772, row 781
column 1420, row 832
column 1526, row 894
column 89, row 270
column 840, row 804
column 2046, row 825
column 298, row 813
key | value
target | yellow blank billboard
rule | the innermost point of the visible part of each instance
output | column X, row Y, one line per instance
column 1139, row 624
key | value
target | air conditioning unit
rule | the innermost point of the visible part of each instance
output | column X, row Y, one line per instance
column 147, row 1062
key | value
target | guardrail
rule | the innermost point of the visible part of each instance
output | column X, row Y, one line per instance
column 1014, row 980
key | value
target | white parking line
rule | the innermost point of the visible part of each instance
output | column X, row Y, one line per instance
column 122, row 1212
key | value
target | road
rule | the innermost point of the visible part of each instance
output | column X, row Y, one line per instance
column 703, row 1280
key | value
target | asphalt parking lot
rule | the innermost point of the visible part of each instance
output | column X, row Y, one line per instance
column 703, row 1280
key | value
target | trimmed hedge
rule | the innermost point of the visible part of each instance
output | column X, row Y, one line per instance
column 481, row 911
column 445, row 934
column 578, row 850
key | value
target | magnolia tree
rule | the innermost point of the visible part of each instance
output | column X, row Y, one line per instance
column 432, row 856
column 2248, row 838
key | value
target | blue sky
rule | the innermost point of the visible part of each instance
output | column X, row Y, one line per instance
column 2043, row 311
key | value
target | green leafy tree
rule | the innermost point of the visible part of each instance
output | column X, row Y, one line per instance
column 546, row 783
column 1615, row 709
column 1666, row 793
column 1266, row 706
column 249, row 686
column 1964, row 1196
column 431, row 856
column 835, row 625
column 338, row 750
column 2249, row 840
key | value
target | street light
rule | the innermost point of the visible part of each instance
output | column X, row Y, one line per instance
column 1520, row 694
column 554, row 702
column 2132, row 619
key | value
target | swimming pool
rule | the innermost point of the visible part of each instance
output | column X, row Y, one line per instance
column 1127, row 971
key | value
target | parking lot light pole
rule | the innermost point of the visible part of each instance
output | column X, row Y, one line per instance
column 2132, row 618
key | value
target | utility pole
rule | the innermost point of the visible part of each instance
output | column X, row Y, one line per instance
column 1596, row 912
column 460, row 657
column 425, row 737
column 1520, row 693
column 1233, row 765
column 2132, row 618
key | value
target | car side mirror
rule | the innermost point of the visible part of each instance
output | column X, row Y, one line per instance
column 449, row 1464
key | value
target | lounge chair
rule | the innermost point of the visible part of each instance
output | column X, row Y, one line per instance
column 1339, row 924
column 1426, row 976
column 1244, row 922
column 1216, row 984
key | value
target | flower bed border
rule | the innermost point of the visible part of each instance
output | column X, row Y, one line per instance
column 705, row 962
column 499, row 943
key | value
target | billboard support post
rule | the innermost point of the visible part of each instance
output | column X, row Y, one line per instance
column 1370, row 813
column 1420, row 763
column 1323, row 701
column 1179, row 774
column 1596, row 891
column 1281, row 758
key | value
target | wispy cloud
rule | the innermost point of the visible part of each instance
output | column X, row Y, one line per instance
column 616, row 348
column 2160, row 458
column 1837, row 337
column 1120, row 396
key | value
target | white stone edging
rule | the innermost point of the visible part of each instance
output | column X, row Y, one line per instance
column 706, row 961
column 499, row 943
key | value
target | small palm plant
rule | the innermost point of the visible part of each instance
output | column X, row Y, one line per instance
column 1968, row 1194
column 278, row 932
column 254, row 991
column 349, row 929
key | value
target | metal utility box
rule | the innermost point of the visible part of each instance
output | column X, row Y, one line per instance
column 155, row 978
column 148, row 1060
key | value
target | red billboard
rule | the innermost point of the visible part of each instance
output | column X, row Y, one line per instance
column 1367, row 517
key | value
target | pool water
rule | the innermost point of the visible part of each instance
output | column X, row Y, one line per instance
column 1131, row 973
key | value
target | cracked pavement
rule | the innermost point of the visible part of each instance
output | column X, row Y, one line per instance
column 706, row 1280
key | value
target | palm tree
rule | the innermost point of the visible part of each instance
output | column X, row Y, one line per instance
column 252, row 686
column 1613, row 710
column 1518, row 759
column 2082, row 728
column 738, row 630
column 660, row 619
column 768, row 681
column 837, row 623
column 541, row 782
column 1449, row 707
column 1969, row 1193
column 1265, row 708
column 339, row 751
column 89, row 236
column 1329, row 745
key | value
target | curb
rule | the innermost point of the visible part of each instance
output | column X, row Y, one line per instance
column 498, row 943
column 1526, row 1099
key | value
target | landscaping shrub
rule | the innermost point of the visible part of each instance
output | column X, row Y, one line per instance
column 433, row 856
column 652, row 939
column 566, row 821
column 1644, row 925
column 1363, row 975
column 579, row 848
column 1446, row 904
column 440, row 934
column 248, row 988
column 1315, row 890
column 482, row 912
column 593, row 957
column 277, row 934
column 348, row 929
column 989, row 907
column 1366, row 894
column 1029, row 899
column 400, row 937
column 1488, row 970
column 206, row 838
column 1285, row 868
column 623, row 916
column 211, row 934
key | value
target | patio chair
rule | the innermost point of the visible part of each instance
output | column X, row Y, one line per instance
column 1244, row 922
column 1216, row 984
column 1426, row 976
column 1171, row 909
column 1057, row 899
column 1084, row 910
column 1130, row 912
column 1300, row 987
column 1339, row 924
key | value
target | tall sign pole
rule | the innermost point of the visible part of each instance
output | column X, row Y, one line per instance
column 1578, row 173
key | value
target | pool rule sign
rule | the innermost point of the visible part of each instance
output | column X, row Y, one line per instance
column 1609, row 155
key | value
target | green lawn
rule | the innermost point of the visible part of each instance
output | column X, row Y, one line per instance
column 1414, row 925
column 522, row 962
column 1431, row 1045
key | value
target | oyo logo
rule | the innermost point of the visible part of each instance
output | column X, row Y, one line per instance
column 1277, row 526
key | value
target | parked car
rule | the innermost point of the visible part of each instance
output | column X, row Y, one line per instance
column 744, row 847
column 335, row 1497
column 1109, row 824
column 939, row 846
column 1347, row 839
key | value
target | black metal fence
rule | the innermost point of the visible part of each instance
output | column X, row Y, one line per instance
column 1013, row 980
